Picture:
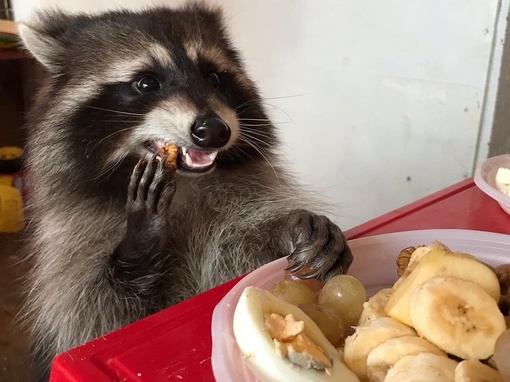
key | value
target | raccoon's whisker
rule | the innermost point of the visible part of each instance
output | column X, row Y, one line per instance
column 248, row 139
column 246, row 135
column 115, row 111
column 269, row 122
column 252, row 101
column 261, row 152
column 253, row 127
column 235, row 152
column 256, row 133
column 198, row 28
column 260, row 133
column 278, row 108
column 115, row 167
column 119, row 121
column 255, row 119
column 283, row 97
column 256, row 124
column 105, row 138
column 110, row 169
column 262, row 124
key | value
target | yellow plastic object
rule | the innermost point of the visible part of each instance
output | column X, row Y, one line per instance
column 12, row 217
column 10, row 152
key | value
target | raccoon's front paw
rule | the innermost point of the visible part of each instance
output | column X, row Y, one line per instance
column 150, row 193
column 317, row 243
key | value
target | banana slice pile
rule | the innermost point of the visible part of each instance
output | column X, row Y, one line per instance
column 445, row 303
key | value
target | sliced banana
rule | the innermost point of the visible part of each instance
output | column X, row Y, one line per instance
column 456, row 315
column 258, row 348
column 473, row 370
column 418, row 255
column 374, row 307
column 423, row 367
column 439, row 262
column 390, row 352
column 359, row 345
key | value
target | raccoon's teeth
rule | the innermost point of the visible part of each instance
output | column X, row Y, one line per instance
column 197, row 158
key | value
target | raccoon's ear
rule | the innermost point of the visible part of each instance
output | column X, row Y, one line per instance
column 44, row 47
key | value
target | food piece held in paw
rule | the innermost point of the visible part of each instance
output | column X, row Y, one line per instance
column 172, row 152
column 346, row 294
column 457, row 316
column 261, row 318
column 473, row 370
column 443, row 263
column 384, row 356
column 374, row 307
column 423, row 367
column 366, row 338
column 502, row 354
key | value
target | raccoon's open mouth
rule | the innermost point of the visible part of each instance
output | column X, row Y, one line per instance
column 189, row 160
column 195, row 160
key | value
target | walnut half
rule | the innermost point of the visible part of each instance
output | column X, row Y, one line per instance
column 171, row 151
column 403, row 259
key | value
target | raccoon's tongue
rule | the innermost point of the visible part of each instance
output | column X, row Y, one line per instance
column 197, row 159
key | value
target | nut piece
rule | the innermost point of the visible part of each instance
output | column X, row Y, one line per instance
column 503, row 274
column 281, row 328
column 171, row 150
column 403, row 259
column 292, row 343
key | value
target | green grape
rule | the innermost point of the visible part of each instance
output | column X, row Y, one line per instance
column 293, row 292
column 314, row 284
column 328, row 320
column 346, row 294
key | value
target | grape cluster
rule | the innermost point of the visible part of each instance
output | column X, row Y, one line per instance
column 334, row 306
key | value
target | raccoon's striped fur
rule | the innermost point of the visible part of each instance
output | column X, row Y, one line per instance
column 118, row 85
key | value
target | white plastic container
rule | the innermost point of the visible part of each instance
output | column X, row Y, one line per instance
column 374, row 265
column 485, row 179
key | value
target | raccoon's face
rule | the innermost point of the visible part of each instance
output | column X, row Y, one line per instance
column 126, row 83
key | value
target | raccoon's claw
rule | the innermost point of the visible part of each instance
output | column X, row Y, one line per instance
column 319, row 244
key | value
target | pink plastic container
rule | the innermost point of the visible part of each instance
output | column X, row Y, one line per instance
column 374, row 265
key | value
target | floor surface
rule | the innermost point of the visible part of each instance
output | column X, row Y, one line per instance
column 14, row 361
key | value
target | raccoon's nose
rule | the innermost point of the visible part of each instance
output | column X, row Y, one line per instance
column 210, row 132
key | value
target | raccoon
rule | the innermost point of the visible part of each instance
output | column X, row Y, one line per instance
column 116, row 234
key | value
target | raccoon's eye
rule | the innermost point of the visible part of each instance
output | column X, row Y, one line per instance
column 147, row 84
column 213, row 80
